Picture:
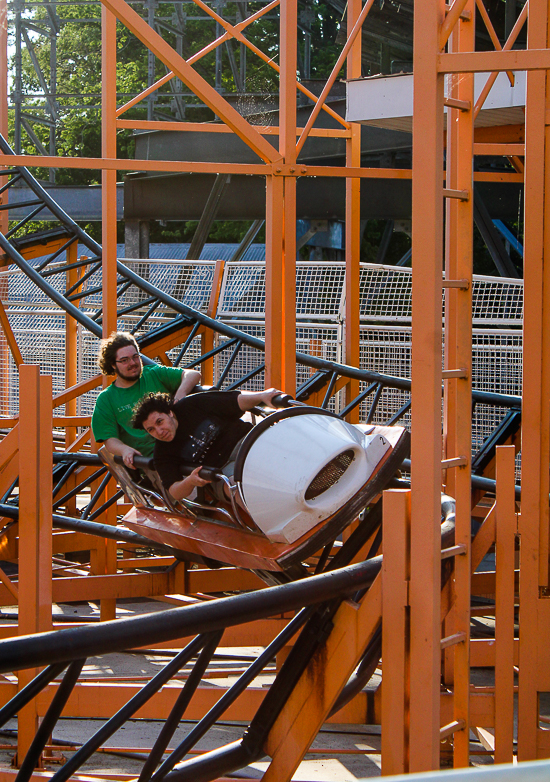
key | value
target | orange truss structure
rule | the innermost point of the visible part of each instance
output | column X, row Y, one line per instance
column 426, row 629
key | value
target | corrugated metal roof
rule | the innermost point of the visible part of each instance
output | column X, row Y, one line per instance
column 212, row 252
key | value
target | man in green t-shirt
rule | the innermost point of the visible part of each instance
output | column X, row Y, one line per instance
column 111, row 419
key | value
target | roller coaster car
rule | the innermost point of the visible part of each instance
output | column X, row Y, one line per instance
column 301, row 476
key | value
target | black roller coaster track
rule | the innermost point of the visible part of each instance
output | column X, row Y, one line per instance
column 322, row 374
column 316, row 601
column 316, row 598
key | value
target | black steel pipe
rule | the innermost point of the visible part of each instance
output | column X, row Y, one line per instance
column 101, row 531
column 172, row 722
column 119, row 634
column 77, row 456
column 231, row 695
column 29, row 692
column 31, row 759
column 213, row 764
column 128, row 710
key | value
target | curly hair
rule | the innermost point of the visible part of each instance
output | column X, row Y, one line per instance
column 151, row 403
column 109, row 347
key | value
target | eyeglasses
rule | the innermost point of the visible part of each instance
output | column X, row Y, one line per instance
column 127, row 359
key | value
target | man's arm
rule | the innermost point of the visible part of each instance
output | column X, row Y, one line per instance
column 249, row 399
column 181, row 489
column 118, row 448
column 189, row 379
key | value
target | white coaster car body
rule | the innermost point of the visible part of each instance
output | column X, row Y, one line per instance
column 302, row 469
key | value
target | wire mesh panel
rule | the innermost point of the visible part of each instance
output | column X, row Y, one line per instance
column 497, row 363
column 497, row 300
column 39, row 327
column 385, row 293
column 319, row 290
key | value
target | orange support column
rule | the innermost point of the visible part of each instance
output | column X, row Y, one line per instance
column 395, row 631
column 505, row 538
column 353, row 224
column 4, row 348
column 533, row 526
column 458, row 363
column 207, row 338
column 427, row 262
column 109, row 222
column 35, row 525
column 275, row 346
column 283, row 274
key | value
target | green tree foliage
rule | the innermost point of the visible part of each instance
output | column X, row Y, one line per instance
column 188, row 29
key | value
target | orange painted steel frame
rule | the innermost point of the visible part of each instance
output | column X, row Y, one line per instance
column 412, row 706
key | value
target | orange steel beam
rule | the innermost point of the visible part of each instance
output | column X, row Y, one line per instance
column 504, row 614
column 508, row 45
column 156, row 44
column 395, row 636
column 353, row 225
column 426, row 446
column 458, row 353
column 233, row 31
column 284, row 274
column 335, row 71
column 273, row 281
column 8, row 333
column 480, row 62
column 104, row 557
column 330, row 667
column 534, row 521
column 114, row 164
column 35, row 525
column 277, row 169
column 206, row 127
column 480, row 5
column 451, row 18
column 194, row 58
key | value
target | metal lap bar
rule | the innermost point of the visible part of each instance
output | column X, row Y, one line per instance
column 229, row 364
column 374, row 403
column 328, row 393
column 172, row 722
column 130, row 708
column 79, row 488
column 50, row 719
column 29, row 692
column 231, row 695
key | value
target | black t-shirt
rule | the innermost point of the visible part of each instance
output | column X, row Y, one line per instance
column 209, row 427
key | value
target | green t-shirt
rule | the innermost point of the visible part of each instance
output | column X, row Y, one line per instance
column 114, row 407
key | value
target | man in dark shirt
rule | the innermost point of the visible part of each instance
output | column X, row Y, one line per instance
column 201, row 429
